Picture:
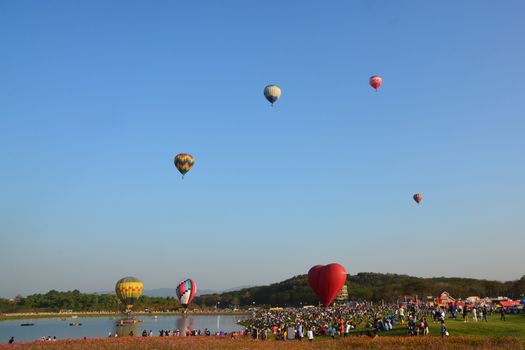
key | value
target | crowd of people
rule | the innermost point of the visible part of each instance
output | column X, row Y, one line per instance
column 294, row 323
column 362, row 318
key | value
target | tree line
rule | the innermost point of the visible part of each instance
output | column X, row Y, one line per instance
column 291, row 292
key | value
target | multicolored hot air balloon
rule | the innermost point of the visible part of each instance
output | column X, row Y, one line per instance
column 418, row 197
column 272, row 93
column 186, row 292
column 184, row 162
column 129, row 290
column 375, row 81
column 327, row 281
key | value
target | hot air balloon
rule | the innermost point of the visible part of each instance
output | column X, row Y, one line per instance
column 418, row 197
column 186, row 292
column 272, row 93
column 184, row 162
column 129, row 290
column 327, row 281
column 375, row 81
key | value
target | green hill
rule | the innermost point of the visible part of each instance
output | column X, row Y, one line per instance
column 365, row 286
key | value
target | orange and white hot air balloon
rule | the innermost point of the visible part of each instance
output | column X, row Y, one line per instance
column 375, row 81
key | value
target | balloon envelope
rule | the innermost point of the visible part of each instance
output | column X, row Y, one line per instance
column 327, row 281
column 129, row 290
column 186, row 291
column 184, row 162
column 375, row 81
column 418, row 197
column 272, row 93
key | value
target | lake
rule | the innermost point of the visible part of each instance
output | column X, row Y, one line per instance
column 99, row 327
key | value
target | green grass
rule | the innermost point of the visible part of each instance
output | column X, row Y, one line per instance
column 514, row 326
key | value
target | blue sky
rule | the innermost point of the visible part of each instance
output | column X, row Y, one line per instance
column 97, row 97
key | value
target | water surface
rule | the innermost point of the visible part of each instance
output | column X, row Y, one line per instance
column 99, row 327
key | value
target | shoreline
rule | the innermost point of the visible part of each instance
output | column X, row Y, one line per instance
column 33, row 315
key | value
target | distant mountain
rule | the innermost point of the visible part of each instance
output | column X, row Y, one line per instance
column 170, row 292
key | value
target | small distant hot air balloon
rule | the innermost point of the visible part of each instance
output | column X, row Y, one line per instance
column 129, row 290
column 418, row 197
column 327, row 281
column 186, row 292
column 375, row 81
column 184, row 162
column 272, row 93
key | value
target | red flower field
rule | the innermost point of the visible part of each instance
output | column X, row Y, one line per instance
column 213, row 343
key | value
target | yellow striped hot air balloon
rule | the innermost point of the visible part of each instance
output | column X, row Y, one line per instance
column 272, row 93
column 184, row 162
column 129, row 290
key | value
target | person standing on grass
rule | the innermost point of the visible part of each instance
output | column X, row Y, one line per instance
column 474, row 314
column 485, row 312
column 310, row 335
column 443, row 329
column 402, row 315
column 502, row 312
column 465, row 313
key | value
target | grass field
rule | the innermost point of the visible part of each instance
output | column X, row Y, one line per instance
column 513, row 327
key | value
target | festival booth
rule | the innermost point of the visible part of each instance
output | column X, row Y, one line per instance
column 505, row 303
column 473, row 300
column 444, row 299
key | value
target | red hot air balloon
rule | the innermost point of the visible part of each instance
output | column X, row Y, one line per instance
column 375, row 81
column 327, row 281
column 418, row 197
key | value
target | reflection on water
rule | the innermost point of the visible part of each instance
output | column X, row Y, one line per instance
column 126, row 327
column 185, row 325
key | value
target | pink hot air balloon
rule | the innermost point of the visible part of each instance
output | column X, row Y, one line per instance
column 375, row 81
column 327, row 281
